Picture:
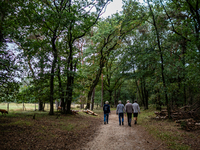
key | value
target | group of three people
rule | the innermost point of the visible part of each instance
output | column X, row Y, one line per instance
column 121, row 109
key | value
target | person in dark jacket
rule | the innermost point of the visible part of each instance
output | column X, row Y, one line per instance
column 106, row 110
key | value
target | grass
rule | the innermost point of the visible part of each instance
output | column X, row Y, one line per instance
column 65, row 123
column 68, row 127
column 17, row 106
column 28, row 106
column 164, row 130
column 45, row 129
column 20, row 123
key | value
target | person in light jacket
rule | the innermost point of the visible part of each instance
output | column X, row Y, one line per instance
column 120, row 111
column 136, row 110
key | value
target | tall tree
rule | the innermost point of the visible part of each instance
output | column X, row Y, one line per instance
column 57, row 21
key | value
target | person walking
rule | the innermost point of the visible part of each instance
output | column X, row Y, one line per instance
column 129, row 111
column 136, row 110
column 106, row 110
column 120, row 111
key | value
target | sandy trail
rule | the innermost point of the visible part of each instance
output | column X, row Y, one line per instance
column 114, row 137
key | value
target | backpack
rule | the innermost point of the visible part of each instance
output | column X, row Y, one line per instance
column 106, row 108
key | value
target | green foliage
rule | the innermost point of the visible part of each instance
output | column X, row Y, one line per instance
column 63, row 48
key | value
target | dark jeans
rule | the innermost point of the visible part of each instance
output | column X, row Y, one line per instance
column 129, row 117
column 106, row 117
column 121, row 115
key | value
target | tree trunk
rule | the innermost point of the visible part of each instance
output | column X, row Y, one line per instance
column 63, row 104
column 158, row 103
column 145, row 95
column 70, row 78
column 44, row 106
column 69, row 101
column 102, row 90
column 81, row 105
column 8, row 106
column 115, row 100
column 93, row 94
column 142, row 93
column 51, row 112
column 162, row 61
column 139, row 92
column 69, row 93
column 191, row 95
column 40, row 105
column 51, row 91
column 138, row 89
column 184, row 48
column 88, row 100
column 81, row 102
column 146, row 98
column 23, row 107
column 110, row 94
column 118, row 94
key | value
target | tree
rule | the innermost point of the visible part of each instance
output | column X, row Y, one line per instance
column 113, row 75
column 61, row 21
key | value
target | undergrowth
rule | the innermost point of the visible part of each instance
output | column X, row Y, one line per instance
column 165, row 130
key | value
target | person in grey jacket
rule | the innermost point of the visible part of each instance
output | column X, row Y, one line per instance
column 120, row 111
column 129, row 111
column 136, row 110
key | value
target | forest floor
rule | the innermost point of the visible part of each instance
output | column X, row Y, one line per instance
column 18, row 130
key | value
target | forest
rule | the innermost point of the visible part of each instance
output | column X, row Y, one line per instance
column 64, row 51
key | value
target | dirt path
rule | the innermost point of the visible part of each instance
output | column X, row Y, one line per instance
column 114, row 137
